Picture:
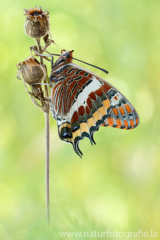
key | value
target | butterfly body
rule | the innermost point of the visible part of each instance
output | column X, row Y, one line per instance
column 81, row 102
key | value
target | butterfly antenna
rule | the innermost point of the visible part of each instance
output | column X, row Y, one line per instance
column 103, row 70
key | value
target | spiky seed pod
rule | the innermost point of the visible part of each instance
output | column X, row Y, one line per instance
column 31, row 70
column 37, row 22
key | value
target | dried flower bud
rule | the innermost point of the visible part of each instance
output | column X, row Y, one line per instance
column 31, row 70
column 37, row 22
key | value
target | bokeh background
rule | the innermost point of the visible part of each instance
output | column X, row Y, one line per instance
column 116, row 185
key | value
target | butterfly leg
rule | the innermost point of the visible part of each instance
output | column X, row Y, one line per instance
column 52, row 62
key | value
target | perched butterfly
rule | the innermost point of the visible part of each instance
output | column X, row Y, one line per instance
column 81, row 102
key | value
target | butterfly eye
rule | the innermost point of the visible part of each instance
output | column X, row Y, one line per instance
column 67, row 54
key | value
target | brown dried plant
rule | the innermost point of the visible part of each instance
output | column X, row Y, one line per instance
column 35, row 76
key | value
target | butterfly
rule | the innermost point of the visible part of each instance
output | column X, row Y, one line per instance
column 81, row 102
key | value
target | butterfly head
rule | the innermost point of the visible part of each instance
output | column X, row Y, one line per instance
column 67, row 55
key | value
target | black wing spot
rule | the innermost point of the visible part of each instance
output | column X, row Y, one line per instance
column 70, row 81
column 78, row 71
column 74, row 87
column 86, row 74
column 70, row 70
column 78, row 78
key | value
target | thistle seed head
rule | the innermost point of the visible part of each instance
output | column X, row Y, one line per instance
column 31, row 70
column 37, row 22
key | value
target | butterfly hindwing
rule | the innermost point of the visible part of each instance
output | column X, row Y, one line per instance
column 82, row 102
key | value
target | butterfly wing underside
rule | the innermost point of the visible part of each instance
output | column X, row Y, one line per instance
column 82, row 102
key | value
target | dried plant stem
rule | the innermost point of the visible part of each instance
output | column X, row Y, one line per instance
column 47, row 132
column 47, row 125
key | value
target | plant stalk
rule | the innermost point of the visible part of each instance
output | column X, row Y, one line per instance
column 47, row 125
column 47, row 136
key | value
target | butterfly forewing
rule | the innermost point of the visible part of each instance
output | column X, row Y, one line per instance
column 82, row 102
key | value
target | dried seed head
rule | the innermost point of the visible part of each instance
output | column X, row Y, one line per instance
column 31, row 70
column 37, row 22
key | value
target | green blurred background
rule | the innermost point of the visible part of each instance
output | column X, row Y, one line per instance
column 116, row 185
